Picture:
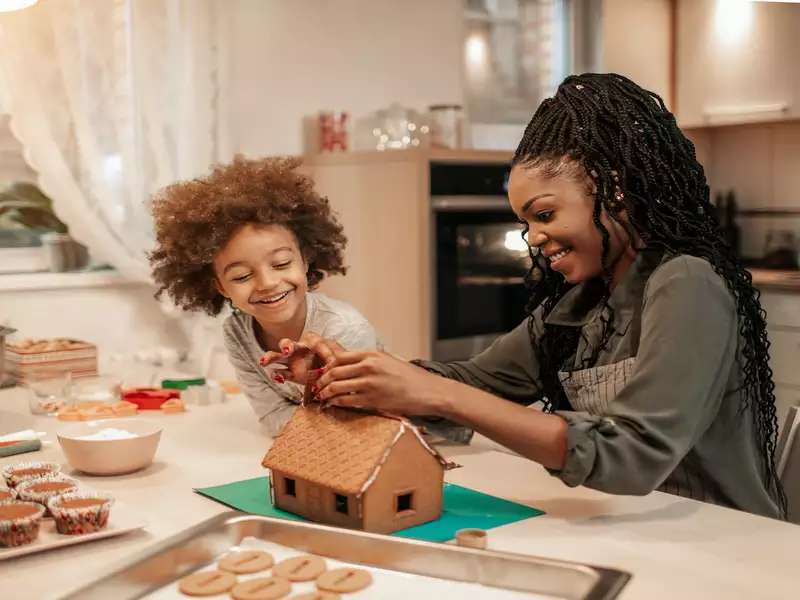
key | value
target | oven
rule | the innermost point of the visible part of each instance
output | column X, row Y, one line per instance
column 480, row 259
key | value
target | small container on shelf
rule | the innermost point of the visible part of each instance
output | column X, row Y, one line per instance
column 447, row 125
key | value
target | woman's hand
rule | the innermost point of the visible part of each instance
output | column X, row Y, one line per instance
column 380, row 382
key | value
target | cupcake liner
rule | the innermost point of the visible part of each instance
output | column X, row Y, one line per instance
column 26, row 492
column 13, row 480
column 17, row 531
column 86, row 519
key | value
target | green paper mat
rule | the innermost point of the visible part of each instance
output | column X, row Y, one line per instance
column 463, row 508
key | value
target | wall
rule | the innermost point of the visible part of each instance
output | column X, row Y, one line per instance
column 288, row 60
column 637, row 44
column 118, row 318
column 292, row 59
column 760, row 163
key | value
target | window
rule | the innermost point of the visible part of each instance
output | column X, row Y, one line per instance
column 404, row 503
column 515, row 53
column 341, row 504
column 289, row 487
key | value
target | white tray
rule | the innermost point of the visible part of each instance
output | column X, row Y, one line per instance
column 121, row 520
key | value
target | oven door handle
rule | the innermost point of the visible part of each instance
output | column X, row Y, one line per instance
column 470, row 203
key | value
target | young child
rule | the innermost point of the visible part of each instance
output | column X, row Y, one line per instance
column 645, row 341
column 255, row 235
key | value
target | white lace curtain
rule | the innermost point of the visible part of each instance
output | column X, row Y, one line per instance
column 111, row 100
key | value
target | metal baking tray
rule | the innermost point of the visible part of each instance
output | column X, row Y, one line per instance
column 164, row 563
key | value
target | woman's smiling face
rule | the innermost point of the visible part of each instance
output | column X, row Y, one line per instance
column 559, row 212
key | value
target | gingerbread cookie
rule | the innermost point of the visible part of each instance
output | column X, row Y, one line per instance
column 262, row 588
column 246, row 561
column 345, row 580
column 317, row 596
column 300, row 568
column 207, row 583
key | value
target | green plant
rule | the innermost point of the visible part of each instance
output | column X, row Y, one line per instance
column 25, row 206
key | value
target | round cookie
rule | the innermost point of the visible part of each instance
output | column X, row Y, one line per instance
column 300, row 568
column 317, row 596
column 344, row 581
column 207, row 583
column 246, row 561
column 262, row 588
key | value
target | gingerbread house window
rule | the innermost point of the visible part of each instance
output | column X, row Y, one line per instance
column 340, row 504
column 289, row 487
column 404, row 503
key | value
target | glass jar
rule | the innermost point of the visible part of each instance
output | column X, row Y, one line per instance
column 90, row 392
column 396, row 128
column 48, row 389
column 447, row 123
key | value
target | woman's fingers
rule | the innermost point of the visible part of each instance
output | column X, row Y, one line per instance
column 339, row 372
column 339, row 388
column 353, row 400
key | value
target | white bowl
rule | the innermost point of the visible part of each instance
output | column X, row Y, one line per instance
column 110, row 456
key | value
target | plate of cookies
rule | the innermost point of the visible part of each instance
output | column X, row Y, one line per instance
column 41, row 509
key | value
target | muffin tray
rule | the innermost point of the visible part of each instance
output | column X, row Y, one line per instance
column 401, row 568
column 121, row 520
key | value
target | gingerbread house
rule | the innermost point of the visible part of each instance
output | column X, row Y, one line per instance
column 357, row 470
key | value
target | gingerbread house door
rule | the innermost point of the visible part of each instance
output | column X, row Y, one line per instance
column 314, row 502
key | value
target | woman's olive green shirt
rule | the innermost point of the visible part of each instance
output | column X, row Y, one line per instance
column 661, row 407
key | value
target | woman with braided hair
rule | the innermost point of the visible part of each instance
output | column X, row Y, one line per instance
column 645, row 342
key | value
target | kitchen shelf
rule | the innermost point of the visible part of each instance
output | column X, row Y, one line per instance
column 788, row 211
column 70, row 280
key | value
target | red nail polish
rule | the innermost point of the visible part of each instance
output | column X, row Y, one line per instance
column 285, row 350
column 279, row 378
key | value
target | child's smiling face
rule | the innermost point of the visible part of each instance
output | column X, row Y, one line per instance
column 263, row 272
column 558, row 211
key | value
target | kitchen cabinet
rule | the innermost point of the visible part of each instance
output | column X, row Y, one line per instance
column 736, row 62
column 383, row 201
column 637, row 43
column 783, row 325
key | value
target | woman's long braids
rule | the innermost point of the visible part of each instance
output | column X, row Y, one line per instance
column 629, row 143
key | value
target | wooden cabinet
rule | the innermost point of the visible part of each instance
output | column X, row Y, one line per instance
column 737, row 62
column 383, row 202
column 783, row 324
column 637, row 43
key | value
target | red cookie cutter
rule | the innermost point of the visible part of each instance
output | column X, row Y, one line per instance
column 149, row 398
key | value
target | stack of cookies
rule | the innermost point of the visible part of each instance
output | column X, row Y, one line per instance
column 277, row 584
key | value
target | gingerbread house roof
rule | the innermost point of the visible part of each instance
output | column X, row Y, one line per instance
column 337, row 448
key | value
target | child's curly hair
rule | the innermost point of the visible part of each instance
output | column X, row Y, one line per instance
column 195, row 219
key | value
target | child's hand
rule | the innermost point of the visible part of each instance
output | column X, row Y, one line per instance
column 301, row 362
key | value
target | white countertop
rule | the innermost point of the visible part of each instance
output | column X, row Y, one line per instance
column 674, row 547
